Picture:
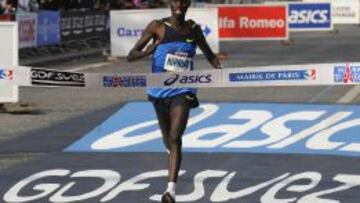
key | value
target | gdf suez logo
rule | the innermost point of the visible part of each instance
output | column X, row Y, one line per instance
column 113, row 186
column 188, row 79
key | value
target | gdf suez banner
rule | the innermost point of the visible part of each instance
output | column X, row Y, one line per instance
column 140, row 177
column 252, row 22
column 310, row 16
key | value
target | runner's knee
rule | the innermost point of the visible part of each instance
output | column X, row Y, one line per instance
column 175, row 141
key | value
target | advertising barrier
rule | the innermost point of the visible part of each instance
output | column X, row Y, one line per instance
column 235, row 128
column 265, row 76
column 205, row 177
column 347, row 73
column 48, row 31
column 127, row 26
column 27, row 29
column 253, row 22
column 6, row 17
column 46, row 77
column 343, row 11
column 77, row 25
column 9, row 59
column 310, row 16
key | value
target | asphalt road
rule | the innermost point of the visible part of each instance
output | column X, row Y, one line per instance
column 67, row 114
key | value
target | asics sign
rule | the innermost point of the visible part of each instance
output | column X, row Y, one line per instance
column 310, row 16
column 188, row 79
column 235, row 127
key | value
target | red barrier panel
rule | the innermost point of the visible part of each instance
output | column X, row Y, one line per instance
column 253, row 22
column 6, row 17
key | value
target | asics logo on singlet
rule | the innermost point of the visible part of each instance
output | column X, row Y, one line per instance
column 188, row 79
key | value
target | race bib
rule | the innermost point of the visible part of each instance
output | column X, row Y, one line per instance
column 176, row 63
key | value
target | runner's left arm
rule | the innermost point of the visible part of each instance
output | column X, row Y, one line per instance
column 205, row 48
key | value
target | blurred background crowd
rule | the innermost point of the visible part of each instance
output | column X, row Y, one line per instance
column 14, row 6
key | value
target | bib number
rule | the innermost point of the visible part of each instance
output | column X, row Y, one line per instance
column 175, row 63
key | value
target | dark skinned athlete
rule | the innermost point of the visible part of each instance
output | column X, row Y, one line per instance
column 173, row 39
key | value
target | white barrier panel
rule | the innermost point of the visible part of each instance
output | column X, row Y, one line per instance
column 8, row 57
column 284, row 75
column 126, row 26
column 343, row 11
column 20, row 76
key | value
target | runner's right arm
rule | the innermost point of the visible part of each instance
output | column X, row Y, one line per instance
column 149, row 33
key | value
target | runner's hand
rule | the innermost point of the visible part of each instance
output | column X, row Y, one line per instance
column 222, row 56
column 151, row 48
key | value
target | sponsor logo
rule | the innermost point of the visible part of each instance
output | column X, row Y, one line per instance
column 260, row 22
column 89, row 23
column 112, row 186
column 206, row 30
column 188, row 79
column 344, row 11
column 189, row 97
column 189, row 40
column 273, row 75
column 246, row 22
column 77, row 24
column 27, row 32
column 65, row 26
column 347, row 73
column 6, row 74
column 100, row 22
column 56, row 78
column 48, row 31
column 127, row 32
column 124, row 81
column 309, row 15
column 234, row 127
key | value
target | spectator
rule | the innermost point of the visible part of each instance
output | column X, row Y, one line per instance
column 138, row 4
column 2, row 5
column 102, row 5
column 27, row 6
column 50, row 4
column 9, row 6
column 121, row 4
column 79, row 4
column 157, row 4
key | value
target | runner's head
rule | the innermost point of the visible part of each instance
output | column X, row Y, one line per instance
column 179, row 7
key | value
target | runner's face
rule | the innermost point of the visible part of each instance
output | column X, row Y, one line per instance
column 179, row 7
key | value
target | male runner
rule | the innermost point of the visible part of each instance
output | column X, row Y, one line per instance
column 173, row 38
